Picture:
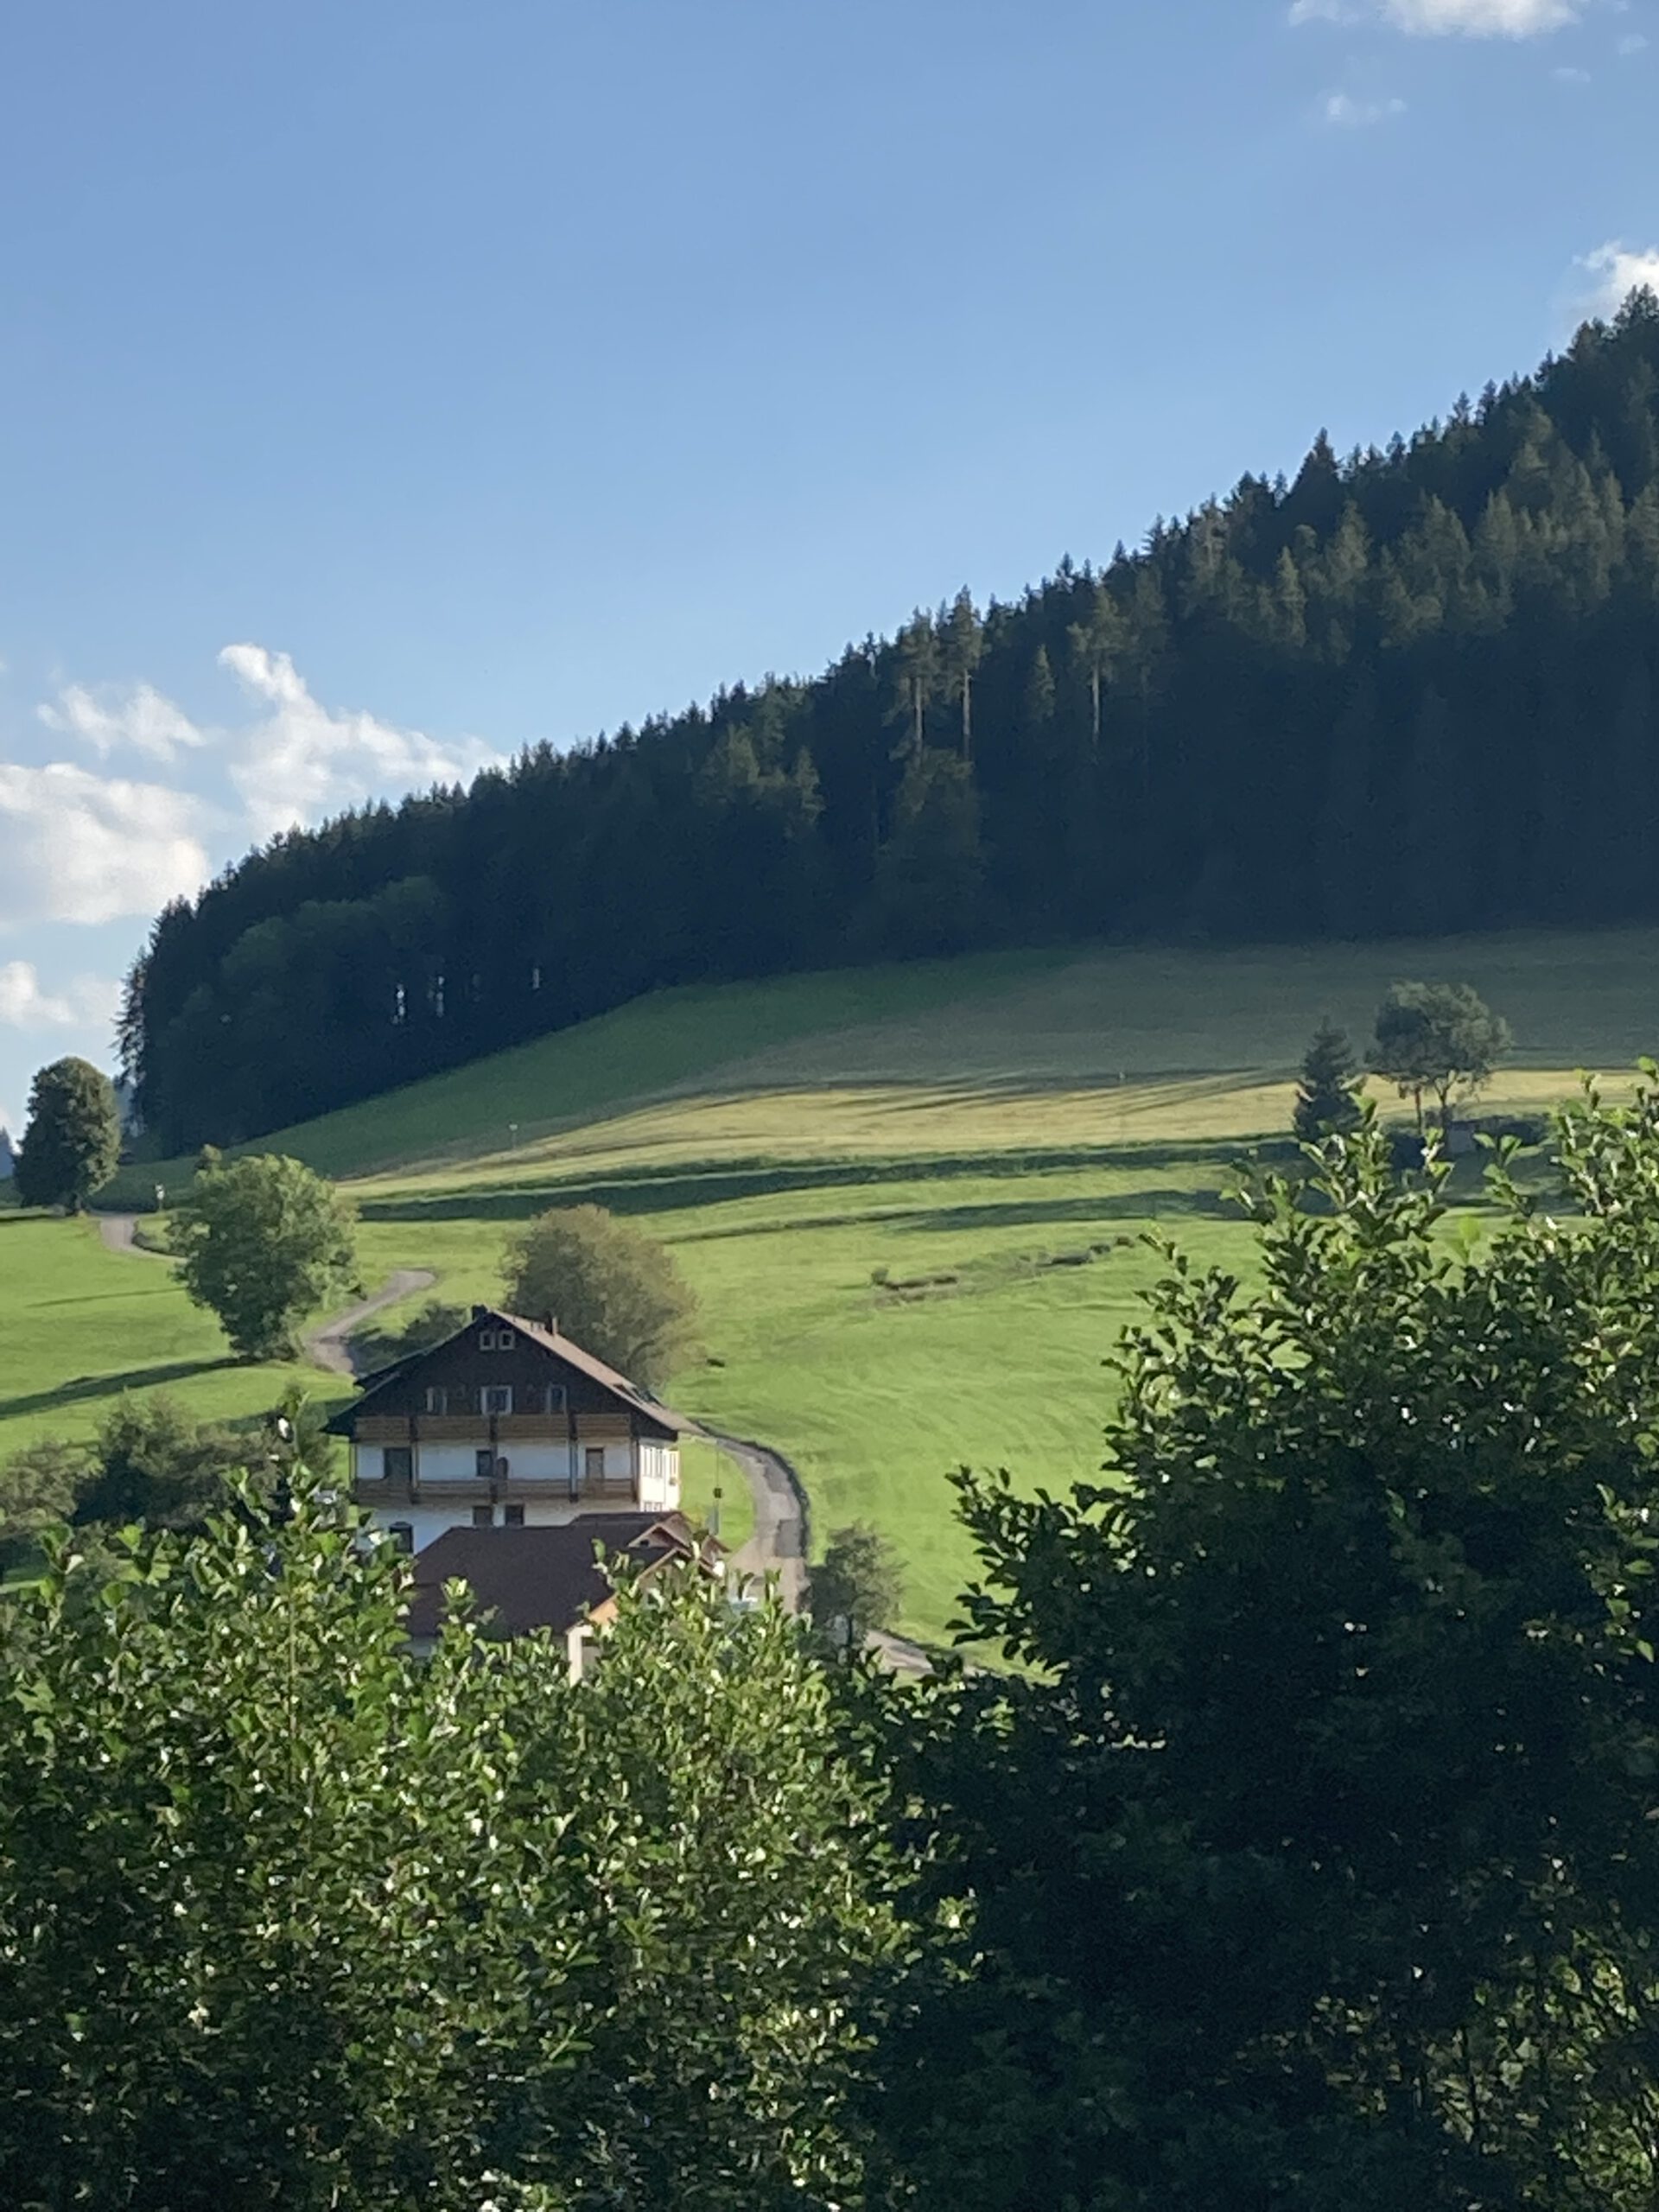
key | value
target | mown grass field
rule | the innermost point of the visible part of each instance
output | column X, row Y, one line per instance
column 1015, row 1124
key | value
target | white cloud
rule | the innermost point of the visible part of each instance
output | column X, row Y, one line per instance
column 1570, row 76
column 1346, row 113
column 1616, row 270
column 79, row 848
column 1633, row 42
column 108, row 719
column 1482, row 18
column 304, row 760
column 1448, row 18
column 85, row 1003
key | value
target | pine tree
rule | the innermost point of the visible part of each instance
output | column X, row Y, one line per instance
column 1327, row 1094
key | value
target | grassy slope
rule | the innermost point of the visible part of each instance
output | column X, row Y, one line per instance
column 790, row 1139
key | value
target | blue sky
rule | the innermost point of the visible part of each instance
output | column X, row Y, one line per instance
column 388, row 384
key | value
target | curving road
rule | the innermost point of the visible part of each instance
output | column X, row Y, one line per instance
column 778, row 1546
column 327, row 1343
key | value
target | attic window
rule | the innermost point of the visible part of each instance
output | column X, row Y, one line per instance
column 496, row 1340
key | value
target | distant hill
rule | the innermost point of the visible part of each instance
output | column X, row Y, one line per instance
column 1411, row 692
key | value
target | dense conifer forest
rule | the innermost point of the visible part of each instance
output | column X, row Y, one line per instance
column 1412, row 691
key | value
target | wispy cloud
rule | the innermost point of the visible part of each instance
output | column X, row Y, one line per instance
column 1615, row 271
column 85, row 1003
column 1447, row 18
column 303, row 760
column 1570, row 76
column 111, row 721
column 1632, row 42
column 1344, row 112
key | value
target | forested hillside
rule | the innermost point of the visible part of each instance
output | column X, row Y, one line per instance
column 1413, row 690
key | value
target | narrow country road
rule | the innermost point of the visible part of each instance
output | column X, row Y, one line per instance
column 778, row 1544
column 327, row 1343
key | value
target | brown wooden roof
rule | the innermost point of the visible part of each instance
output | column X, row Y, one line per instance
column 396, row 1382
column 528, row 1579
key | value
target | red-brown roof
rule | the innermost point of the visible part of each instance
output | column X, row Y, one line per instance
column 527, row 1579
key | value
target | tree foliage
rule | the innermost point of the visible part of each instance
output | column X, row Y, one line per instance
column 1438, row 1038
column 1313, row 1862
column 1327, row 1091
column 262, row 1242
column 1420, row 679
column 72, row 1143
column 290, row 1919
column 856, row 1586
column 608, row 1286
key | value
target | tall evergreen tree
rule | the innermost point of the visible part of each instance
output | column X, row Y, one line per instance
column 1327, row 1091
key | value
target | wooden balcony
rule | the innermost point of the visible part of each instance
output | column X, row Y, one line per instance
column 483, row 1428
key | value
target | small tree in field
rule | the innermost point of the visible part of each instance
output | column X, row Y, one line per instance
column 1439, row 1039
column 610, row 1287
column 262, row 1242
column 858, row 1581
column 1327, row 1096
column 72, row 1143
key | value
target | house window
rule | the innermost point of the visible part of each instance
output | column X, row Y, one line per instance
column 496, row 1398
column 398, row 1462
column 483, row 1517
column 487, row 1340
column 437, row 1399
column 504, row 1340
column 555, row 1399
column 401, row 1536
column 484, row 1463
column 513, row 1517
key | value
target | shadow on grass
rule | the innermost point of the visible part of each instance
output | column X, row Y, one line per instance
column 85, row 1387
column 689, row 1184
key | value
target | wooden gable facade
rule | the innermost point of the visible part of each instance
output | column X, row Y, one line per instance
column 508, row 1414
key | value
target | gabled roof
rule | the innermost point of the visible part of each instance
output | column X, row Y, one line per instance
column 637, row 1399
column 527, row 1579
column 607, row 1377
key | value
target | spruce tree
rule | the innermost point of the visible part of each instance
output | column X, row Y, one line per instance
column 1327, row 1095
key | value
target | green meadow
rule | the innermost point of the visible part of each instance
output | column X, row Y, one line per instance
column 912, row 1200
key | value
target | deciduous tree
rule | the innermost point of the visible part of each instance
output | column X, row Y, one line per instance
column 1441, row 1038
column 856, row 1586
column 1312, row 1861
column 71, row 1144
column 262, row 1242
column 610, row 1287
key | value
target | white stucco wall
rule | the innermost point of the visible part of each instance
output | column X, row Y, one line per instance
column 431, row 1522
